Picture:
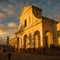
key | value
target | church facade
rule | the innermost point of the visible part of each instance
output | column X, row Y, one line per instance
column 36, row 31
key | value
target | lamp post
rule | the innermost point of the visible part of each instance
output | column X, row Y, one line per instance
column 8, row 43
column 7, row 40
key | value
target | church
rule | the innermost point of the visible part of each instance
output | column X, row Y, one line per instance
column 36, row 31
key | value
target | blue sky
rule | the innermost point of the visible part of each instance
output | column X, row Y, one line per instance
column 10, row 9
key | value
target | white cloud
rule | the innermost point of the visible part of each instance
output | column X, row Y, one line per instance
column 12, row 24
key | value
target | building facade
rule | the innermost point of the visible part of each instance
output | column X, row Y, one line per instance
column 36, row 31
column 58, row 32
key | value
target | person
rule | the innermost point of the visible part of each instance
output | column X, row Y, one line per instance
column 9, row 56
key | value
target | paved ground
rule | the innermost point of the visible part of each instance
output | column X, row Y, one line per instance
column 18, row 56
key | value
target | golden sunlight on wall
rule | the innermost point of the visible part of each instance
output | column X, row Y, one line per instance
column 48, row 38
column 13, row 42
column 36, row 42
column 36, row 31
column 58, row 32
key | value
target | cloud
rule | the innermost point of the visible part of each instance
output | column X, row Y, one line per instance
column 12, row 25
column 8, row 11
column 53, row 11
column 49, row 2
column 15, row 6
column 2, row 16
column 7, row 30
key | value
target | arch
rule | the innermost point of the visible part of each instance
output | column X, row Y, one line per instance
column 48, row 39
column 58, row 32
column 36, row 39
column 25, row 38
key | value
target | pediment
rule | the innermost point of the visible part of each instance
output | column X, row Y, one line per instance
column 24, row 10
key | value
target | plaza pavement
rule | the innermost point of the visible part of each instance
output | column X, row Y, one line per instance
column 26, row 56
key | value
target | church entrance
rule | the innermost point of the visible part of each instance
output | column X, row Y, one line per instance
column 25, row 41
column 48, row 39
column 37, row 39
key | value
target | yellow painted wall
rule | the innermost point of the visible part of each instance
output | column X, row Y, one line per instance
column 50, row 26
column 13, row 42
column 58, row 29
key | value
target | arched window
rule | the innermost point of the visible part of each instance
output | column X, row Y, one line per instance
column 25, row 22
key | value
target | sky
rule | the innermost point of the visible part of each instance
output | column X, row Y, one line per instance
column 10, row 9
